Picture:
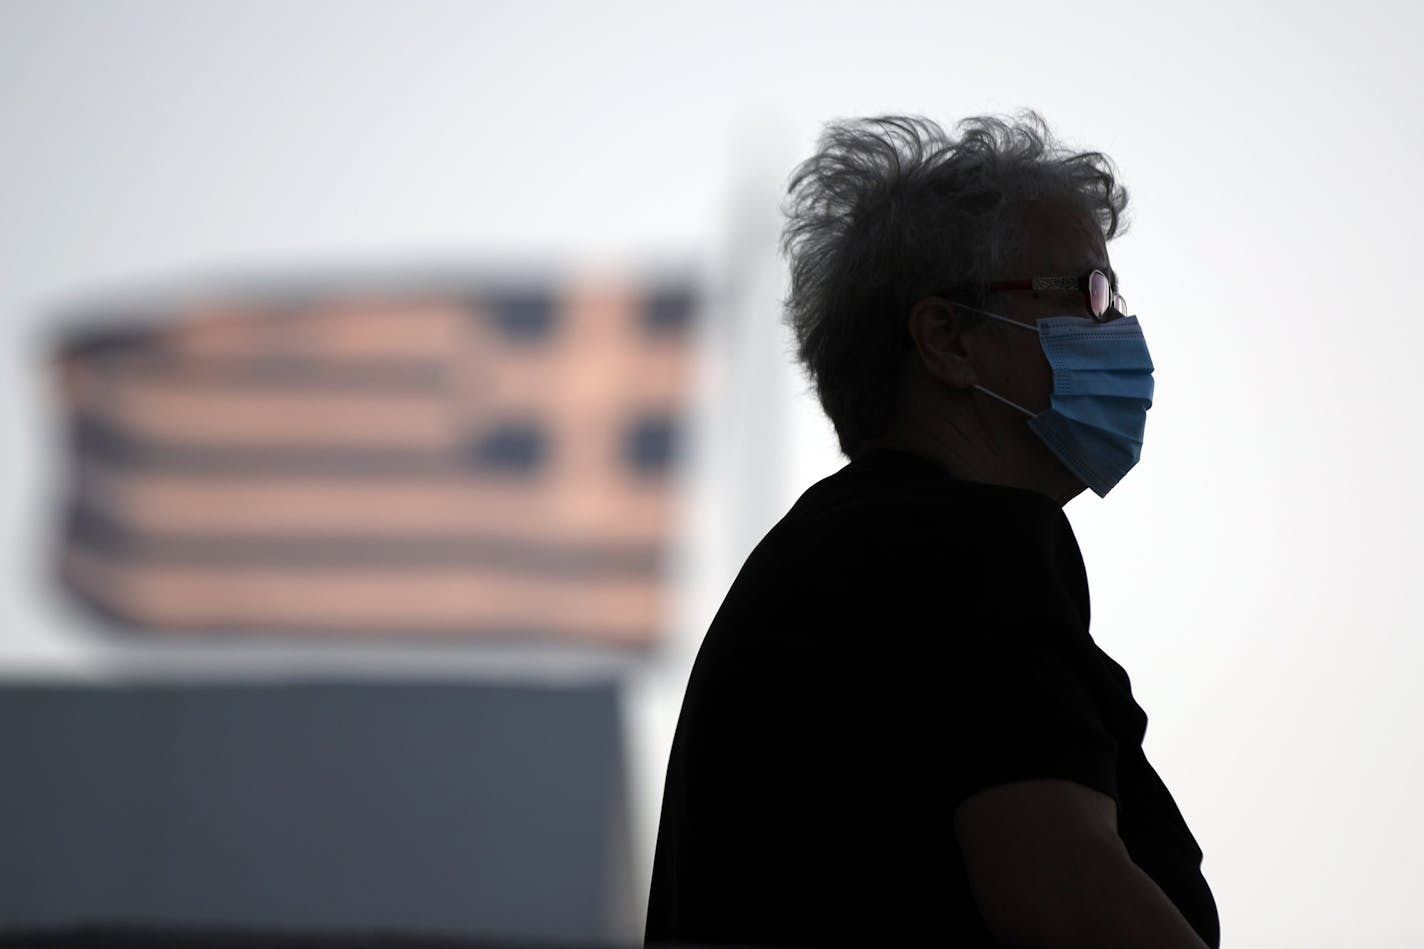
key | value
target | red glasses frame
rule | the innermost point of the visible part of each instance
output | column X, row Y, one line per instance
column 1098, row 289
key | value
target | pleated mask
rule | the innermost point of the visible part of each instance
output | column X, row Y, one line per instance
column 1102, row 389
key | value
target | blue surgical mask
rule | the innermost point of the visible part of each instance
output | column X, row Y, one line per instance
column 1102, row 389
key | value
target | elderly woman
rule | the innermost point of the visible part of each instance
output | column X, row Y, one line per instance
column 898, row 729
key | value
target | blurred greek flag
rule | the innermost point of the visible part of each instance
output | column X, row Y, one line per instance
column 491, row 461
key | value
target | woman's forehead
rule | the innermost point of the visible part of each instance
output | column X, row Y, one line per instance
column 1066, row 258
column 1059, row 239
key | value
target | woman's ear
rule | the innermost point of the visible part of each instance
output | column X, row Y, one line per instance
column 938, row 332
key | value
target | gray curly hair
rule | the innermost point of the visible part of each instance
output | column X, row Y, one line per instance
column 892, row 209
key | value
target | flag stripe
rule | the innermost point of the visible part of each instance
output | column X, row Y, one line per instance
column 443, row 505
column 432, row 603
column 93, row 531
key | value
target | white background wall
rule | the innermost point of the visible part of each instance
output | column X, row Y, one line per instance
column 1256, row 575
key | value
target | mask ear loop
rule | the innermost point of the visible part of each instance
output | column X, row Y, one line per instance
column 1007, row 402
column 1002, row 319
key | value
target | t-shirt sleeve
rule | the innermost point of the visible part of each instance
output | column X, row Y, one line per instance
column 1017, row 709
column 1008, row 680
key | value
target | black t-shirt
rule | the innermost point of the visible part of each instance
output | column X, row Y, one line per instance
column 900, row 640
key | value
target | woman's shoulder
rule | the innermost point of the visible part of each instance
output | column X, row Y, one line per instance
column 897, row 493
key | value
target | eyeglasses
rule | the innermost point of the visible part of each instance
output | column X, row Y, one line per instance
column 1104, row 302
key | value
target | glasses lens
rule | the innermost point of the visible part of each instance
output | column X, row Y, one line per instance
column 1119, row 304
column 1099, row 292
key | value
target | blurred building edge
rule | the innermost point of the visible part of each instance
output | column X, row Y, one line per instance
column 479, row 811
column 481, row 460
